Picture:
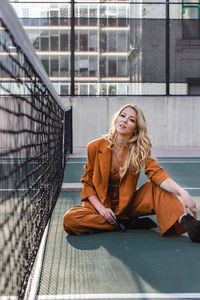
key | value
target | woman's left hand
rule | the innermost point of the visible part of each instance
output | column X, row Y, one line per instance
column 188, row 203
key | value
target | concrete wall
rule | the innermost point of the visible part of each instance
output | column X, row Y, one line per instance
column 172, row 121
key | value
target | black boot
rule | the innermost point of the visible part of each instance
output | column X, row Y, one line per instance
column 134, row 223
column 141, row 223
column 192, row 226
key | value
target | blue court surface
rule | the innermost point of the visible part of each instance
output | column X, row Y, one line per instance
column 137, row 264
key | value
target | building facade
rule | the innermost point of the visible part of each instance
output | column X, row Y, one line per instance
column 116, row 47
column 101, row 41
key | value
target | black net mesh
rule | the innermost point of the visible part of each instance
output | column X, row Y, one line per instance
column 32, row 160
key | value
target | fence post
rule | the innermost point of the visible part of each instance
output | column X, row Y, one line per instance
column 72, row 45
column 167, row 51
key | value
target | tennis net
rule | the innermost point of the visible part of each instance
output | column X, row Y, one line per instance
column 35, row 135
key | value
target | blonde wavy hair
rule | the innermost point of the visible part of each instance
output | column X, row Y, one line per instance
column 139, row 145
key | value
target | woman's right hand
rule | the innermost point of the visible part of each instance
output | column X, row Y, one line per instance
column 108, row 214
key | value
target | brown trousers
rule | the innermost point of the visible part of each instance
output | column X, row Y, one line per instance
column 149, row 199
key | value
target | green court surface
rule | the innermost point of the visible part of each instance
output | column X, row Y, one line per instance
column 137, row 264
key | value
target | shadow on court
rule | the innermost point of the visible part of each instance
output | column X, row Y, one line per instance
column 139, row 261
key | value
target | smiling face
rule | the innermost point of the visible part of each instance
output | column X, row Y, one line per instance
column 126, row 122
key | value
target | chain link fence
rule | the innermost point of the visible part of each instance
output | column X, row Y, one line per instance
column 116, row 47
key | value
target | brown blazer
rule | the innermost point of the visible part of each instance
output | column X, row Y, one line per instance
column 97, row 170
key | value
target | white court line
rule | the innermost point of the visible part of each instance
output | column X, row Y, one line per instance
column 5, row 162
column 179, row 161
column 34, row 278
column 75, row 183
column 75, row 162
column 5, row 190
column 191, row 188
column 159, row 161
column 121, row 296
column 165, row 161
column 9, row 298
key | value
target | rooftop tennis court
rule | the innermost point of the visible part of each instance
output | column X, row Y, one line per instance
column 137, row 264
column 35, row 139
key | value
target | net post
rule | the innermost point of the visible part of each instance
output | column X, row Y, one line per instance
column 67, row 133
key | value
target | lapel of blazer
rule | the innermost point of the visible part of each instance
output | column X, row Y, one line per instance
column 104, row 162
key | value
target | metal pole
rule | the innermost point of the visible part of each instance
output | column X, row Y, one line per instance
column 72, row 45
column 71, row 131
column 167, row 45
column 64, row 140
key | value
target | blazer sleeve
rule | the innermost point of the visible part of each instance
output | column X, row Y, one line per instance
column 88, row 188
column 154, row 172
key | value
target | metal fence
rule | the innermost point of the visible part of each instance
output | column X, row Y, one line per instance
column 116, row 47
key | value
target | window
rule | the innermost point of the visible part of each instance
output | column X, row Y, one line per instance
column 83, row 15
column 112, row 43
column 43, row 18
column 83, row 66
column 36, row 43
column 123, row 17
column 112, row 15
column 84, row 89
column 191, row 9
column 122, row 67
column 191, row 29
column 76, row 40
column 64, row 89
column 83, row 40
column 92, row 40
column 93, row 66
column 193, row 86
column 56, row 87
column 76, row 66
column 64, row 43
column 64, row 16
column 45, row 62
column 54, row 17
column 25, row 12
column 112, row 67
column 44, row 40
column 122, row 42
column 92, row 15
column 10, row 66
column 64, row 66
column 191, row 19
column 112, row 89
column 54, row 66
column 122, row 88
column 54, row 40
column 34, row 38
column 92, row 89
column 103, row 90
column 103, row 70
column 103, row 41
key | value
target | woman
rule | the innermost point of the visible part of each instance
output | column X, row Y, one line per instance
column 109, row 184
